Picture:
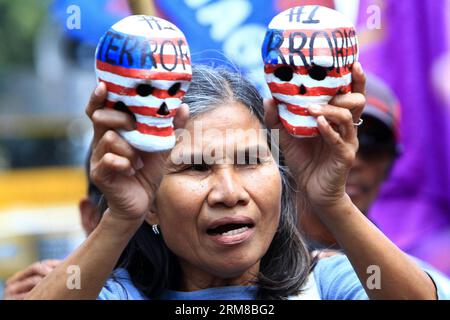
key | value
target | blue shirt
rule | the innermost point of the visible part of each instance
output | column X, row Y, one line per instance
column 333, row 278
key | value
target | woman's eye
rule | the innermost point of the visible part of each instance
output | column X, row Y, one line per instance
column 250, row 161
column 199, row 167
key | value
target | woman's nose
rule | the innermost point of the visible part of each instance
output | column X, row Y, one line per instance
column 227, row 189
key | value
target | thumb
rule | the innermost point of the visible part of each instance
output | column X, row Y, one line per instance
column 181, row 117
column 271, row 114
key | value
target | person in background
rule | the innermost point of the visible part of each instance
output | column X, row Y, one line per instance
column 19, row 284
column 379, row 147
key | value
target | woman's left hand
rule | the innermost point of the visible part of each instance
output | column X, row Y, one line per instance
column 320, row 165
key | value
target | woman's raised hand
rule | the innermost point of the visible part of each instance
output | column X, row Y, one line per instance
column 127, row 177
column 320, row 165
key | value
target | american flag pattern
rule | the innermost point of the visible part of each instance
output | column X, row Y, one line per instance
column 145, row 63
column 315, row 48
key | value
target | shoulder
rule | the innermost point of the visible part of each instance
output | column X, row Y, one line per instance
column 336, row 279
column 120, row 287
column 441, row 282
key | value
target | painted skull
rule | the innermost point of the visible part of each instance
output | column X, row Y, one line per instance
column 308, row 53
column 145, row 63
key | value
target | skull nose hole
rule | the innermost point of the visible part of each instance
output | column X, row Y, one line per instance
column 120, row 106
column 284, row 73
column 174, row 89
column 317, row 73
column 302, row 89
column 163, row 110
column 144, row 89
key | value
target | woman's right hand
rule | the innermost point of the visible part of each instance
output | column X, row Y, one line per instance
column 128, row 178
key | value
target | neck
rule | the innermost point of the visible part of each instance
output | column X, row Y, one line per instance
column 196, row 279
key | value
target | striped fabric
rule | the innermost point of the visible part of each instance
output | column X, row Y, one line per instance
column 308, row 52
column 145, row 63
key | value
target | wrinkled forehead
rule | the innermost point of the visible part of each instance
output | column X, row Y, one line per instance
column 231, row 127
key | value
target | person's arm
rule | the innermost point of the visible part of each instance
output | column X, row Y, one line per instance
column 320, row 167
column 369, row 250
column 116, row 171
column 95, row 260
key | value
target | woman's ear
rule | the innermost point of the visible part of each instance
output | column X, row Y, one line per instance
column 151, row 218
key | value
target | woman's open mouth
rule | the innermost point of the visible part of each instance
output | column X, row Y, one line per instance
column 230, row 232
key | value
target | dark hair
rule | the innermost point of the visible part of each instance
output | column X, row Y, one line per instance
column 284, row 268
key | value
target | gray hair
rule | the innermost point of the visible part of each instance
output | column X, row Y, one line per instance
column 287, row 263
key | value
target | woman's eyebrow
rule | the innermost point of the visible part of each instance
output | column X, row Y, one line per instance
column 251, row 153
column 187, row 157
column 238, row 155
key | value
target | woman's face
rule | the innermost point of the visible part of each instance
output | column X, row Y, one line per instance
column 219, row 211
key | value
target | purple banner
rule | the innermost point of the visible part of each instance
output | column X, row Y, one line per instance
column 409, row 49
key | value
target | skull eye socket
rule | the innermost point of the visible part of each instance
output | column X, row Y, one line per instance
column 144, row 89
column 120, row 106
column 173, row 90
column 284, row 73
column 317, row 73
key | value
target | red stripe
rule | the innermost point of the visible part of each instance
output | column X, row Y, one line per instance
column 145, row 111
column 298, row 110
column 350, row 32
column 143, row 73
column 299, row 131
column 169, row 59
column 292, row 89
column 154, row 130
column 302, row 70
column 126, row 91
column 377, row 104
column 153, row 112
column 347, row 51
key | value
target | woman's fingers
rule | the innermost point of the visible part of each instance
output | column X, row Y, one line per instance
column 354, row 102
column 111, row 164
column 97, row 99
column 331, row 137
column 358, row 79
column 25, row 285
column 271, row 114
column 106, row 119
column 112, row 142
column 181, row 117
column 38, row 268
column 335, row 142
column 340, row 117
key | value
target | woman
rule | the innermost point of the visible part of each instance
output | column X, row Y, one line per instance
column 225, row 229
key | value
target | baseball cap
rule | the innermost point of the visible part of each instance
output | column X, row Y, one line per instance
column 381, row 128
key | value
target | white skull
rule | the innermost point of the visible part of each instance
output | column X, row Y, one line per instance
column 308, row 53
column 145, row 64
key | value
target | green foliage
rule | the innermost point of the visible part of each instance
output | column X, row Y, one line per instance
column 19, row 22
